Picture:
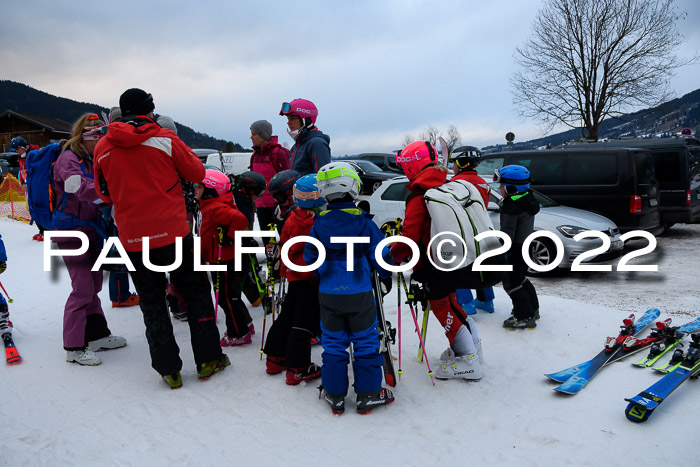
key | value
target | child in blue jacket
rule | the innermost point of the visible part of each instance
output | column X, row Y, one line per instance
column 348, row 312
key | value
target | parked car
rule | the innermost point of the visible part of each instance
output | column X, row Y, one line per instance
column 9, row 163
column 677, row 169
column 371, row 175
column 389, row 202
column 204, row 153
column 386, row 162
column 618, row 183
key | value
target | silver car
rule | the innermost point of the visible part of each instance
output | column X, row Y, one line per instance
column 388, row 203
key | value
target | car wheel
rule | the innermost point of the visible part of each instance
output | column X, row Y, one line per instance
column 376, row 186
column 542, row 253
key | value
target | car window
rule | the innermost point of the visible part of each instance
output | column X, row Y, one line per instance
column 396, row 192
column 378, row 160
column 368, row 166
column 545, row 169
column 667, row 166
column 644, row 165
column 487, row 167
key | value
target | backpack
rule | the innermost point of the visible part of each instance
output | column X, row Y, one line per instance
column 44, row 209
column 457, row 207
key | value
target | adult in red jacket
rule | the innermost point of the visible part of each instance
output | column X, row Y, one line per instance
column 138, row 166
column 461, row 359
column 269, row 158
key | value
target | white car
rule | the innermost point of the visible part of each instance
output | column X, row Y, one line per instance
column 388, row 203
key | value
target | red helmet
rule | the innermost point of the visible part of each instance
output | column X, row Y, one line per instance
column 301, row 108
column 415, row 157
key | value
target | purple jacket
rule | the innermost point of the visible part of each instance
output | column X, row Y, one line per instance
column 80, row 204
column 267, row 161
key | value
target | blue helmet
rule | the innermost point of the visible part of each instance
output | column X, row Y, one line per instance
column 16, row 143
column 306, row 194
column 515, row 176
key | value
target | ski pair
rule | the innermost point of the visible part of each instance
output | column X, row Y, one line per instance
column 664, row 340
column 272, row 300
column 643, row 405
column 574, row 378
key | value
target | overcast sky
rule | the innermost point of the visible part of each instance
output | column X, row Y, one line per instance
column 377, row 70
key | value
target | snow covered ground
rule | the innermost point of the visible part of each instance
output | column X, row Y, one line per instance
column 121, row 413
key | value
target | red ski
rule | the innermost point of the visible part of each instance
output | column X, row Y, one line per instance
column 11, row 354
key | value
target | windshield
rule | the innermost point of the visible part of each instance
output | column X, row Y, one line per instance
column 367, row 166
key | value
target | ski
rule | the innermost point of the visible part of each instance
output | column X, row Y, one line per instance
column 445, row 152
column 387, row 334
column 675, row 362
column 574, row 378
column 669, row 338
column 642, row 406
column 11, row 354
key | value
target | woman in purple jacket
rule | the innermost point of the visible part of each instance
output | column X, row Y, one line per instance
column 268, row 159
column 85, row 328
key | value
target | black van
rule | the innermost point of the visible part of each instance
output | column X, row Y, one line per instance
column 618, row 183
column 677, row 167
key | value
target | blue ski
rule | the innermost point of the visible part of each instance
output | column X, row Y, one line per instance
column 605, row 354
column 642, row 405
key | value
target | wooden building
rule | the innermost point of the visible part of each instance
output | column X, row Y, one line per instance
column 36, row 129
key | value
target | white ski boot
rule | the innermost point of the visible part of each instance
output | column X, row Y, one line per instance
column 107, row 343
column 463, row 366
column 83, row 357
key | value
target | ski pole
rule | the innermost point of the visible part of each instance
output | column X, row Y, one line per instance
column 217, row 285
column 8, row 295
column 420, row 336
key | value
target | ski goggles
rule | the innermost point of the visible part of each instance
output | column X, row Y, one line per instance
column 286, row 108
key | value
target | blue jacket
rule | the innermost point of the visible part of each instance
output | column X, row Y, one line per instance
column 3, row 253
column 345, row 220
column 310, row 152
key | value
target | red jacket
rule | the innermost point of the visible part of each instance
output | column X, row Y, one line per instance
column 220, row 212
column 416, row 224
column 142, row 165
column 472, row 177
column 267, row 161
column 298, row 223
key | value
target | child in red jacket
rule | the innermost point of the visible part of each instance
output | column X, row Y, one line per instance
column 220, row 221
column 288, row 343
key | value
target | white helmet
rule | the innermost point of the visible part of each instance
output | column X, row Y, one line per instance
column 336, row 179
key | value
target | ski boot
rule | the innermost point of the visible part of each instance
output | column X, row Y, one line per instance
column 337, row 402
column 513, row 323
column 206, row 370
column 486, row 306
column 84, row 357
column 297, row 375
column 174, row 380
column 107, row 343
column 459, row 367
column 227, row 341
column 368, row 401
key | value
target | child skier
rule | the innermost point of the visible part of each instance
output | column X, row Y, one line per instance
column 518, row 220
column 348, row 311
column 466, row 159
column 220, row 221
column 288, row 343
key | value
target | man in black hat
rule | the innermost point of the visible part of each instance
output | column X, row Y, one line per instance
column 138, row 166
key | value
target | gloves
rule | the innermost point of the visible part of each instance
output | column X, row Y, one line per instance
column 3, row 266
column 385, row 285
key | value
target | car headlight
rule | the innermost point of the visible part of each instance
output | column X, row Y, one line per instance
column 570, row 230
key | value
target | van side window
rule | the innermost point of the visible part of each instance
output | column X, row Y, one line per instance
column 694, row 167
column 591, row 169
column 667, row 166
column 644, row 165
column 546, row 169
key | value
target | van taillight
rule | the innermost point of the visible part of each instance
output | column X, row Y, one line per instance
column 687, row 197
column 635, row 204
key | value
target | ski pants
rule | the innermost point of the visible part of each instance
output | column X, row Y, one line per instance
column 345, row 320
column 230, row 286
column 195, row 289
column 83, row 318
column 290, row 335
column 521, row 291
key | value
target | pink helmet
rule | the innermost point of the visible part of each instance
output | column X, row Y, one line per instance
column 301, row 108
column 415, row 157
column 217, row 181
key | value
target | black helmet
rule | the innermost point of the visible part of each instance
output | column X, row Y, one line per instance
column 251, row 183
column 18, row 142
column 466, row 156
column 281, row 186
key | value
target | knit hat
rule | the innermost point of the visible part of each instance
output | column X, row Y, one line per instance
column 263, row 128
column 136, row 102
column 115, row 114
column 166, row 122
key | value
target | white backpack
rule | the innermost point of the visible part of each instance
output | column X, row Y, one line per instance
column 457, row 207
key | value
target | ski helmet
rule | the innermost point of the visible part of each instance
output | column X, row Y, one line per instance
column 466, row 156
column 251, row 183
column 306, row 194
column 337, row 179
column 281, row 185
column 306, row 110
column 217, row 182
column 18, row 142
column 515, row 178
column 415, row 157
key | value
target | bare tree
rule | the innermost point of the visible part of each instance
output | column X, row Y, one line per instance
column 408, row 139
column 453, row 139
column 592, row 59
column 431, row 134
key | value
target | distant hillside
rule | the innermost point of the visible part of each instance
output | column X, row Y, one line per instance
column 22, row 98
column 667, row 119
